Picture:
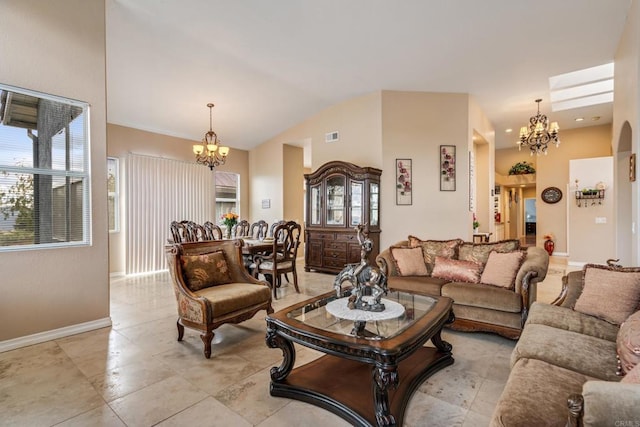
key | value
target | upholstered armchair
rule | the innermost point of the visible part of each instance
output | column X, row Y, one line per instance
column 212, row 287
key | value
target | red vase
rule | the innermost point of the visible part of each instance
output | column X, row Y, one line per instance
column 549, row 246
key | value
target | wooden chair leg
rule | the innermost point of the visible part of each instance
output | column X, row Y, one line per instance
column 295, row 280
column 206, row 338
column 180, row 330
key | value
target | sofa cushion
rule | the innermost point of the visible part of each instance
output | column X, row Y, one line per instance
column 485, row 296
column 456, row 270
column 235, row 296
column 633, row 376
column 433, row 248
column 409, row 261
column 479, row 252
column 628, row 343
column 502, row 267
column 570, row 320
column 588, row 355
column 536, row 395
column 420, row 284
column 205, row 270
column 609, row 293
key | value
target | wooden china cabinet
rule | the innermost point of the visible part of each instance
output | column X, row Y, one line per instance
column 340, row 196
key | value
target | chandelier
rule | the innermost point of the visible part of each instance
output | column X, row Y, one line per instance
column 210, row 152
column 539, row 133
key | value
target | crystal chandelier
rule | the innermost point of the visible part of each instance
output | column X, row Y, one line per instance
column 539, row 133
column 210, row 152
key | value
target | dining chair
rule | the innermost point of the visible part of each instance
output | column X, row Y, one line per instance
column 259, row 230
column 212, row 231
column 274, row 225
column 282, row 258
column 241, row 229
column 182, row 231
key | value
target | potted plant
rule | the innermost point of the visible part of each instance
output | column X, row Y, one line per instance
column 521, row 168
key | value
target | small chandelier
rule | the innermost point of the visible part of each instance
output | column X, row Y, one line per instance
column 210, row 152
column 539, row 133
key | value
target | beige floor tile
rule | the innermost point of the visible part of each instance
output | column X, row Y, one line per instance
column 430, row 411
column 302, row 414
column 102, row 416
column 208, row 412
column 250, row 397
column 157, row 402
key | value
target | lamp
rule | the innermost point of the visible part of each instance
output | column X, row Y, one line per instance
column 210, row 152
column 539, row 133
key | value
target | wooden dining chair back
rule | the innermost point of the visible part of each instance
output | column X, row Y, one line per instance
column 259, row 230
column 272, row 229
column 212, row 231
column 183, row 231
column 241, row 229
column 282, row 259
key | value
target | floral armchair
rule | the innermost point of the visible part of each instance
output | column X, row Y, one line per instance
column 212, row 287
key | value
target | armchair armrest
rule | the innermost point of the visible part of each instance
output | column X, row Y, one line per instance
column 386, row 257
column 571, row 289
column 537, row 260
column 605, row 403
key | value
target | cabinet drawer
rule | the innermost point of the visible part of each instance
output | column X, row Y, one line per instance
column 323, row 236
column 340, row 246
column 335, row 254
column 347, row 237
column 334, row 262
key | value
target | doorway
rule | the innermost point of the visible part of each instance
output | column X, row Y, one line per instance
column 530, row 222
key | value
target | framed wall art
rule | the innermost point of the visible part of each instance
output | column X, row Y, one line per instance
column 404, row 182
column 447, row 168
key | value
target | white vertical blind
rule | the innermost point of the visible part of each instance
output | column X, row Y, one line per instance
column 159, row 191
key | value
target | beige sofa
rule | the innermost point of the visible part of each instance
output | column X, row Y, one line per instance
column 564, row 367
column 477, row 306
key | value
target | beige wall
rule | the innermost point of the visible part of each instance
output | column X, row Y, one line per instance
column 552, row 170
column 626, row 109
column 124, row 140
column 293, row 185
column 58, row 48
column 266, row 166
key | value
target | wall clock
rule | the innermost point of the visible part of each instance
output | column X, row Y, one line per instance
column 551, row 195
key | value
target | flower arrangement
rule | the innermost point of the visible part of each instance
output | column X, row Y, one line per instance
column 549, row 236
column 229, row 219
column 476, row 224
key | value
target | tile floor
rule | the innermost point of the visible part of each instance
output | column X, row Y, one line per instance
column 136, row 373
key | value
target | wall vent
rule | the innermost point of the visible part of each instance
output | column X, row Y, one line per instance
column 331, row 137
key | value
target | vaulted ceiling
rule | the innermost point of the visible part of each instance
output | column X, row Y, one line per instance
column 268, row 65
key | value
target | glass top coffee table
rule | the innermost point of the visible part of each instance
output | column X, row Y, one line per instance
column 372, row 364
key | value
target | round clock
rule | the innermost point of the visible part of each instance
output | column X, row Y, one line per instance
column 551, row 195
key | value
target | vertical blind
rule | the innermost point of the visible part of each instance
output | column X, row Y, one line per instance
column 159, row 191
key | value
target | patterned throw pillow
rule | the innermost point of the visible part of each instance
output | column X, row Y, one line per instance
column 479, row 252
column 502, row 268
column 628, row 343
column 456, row 270
column 205, row 270
column 609, row 293
column 434, row 248
column 409, row 261
column 633, row 376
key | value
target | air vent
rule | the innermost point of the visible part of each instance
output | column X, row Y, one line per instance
column 331, row 137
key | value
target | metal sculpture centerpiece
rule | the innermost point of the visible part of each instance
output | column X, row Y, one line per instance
column 366, row 280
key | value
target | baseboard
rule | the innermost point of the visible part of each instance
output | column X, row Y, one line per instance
column 116, row 274
column 41, row 337
column 561, row 254
column 576, row 264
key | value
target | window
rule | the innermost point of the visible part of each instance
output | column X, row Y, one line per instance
column 227, row 194
column 44, row 177
column 113, row 197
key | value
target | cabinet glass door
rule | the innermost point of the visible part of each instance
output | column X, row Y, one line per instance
column 335, row 200
column 315, row 205
column 374, row 195
column 356, row 202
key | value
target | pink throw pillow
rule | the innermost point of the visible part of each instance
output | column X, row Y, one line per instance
column 502, row 268
column 456, row 270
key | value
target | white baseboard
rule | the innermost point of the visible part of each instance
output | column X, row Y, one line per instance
column 576, row 264
column 562, row 254
column 41, row 337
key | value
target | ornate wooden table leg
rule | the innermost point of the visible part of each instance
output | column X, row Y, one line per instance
column 288, row 353
column 383, row 379
column 437, row 340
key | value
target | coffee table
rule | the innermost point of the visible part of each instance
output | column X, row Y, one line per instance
column 370, row 369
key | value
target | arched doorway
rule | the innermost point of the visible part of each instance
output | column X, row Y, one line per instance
column 624, row 196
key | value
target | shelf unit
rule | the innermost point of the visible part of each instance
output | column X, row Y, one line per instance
column 586, row 198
